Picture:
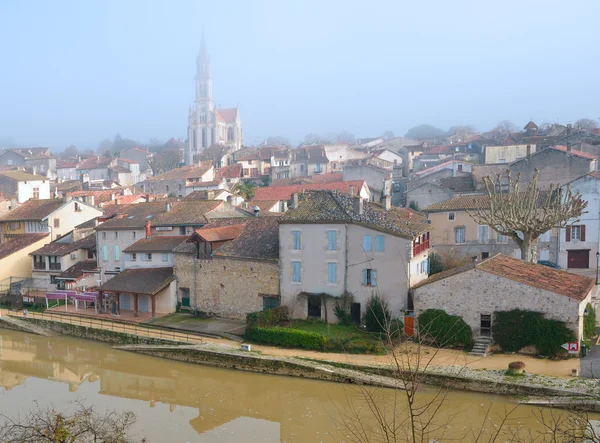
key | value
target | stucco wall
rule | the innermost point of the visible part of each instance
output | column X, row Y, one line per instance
column 225, row 286
column 124, row 239
column 25, row 190
column 427, row 195
column 19, row 263
column 508, row 153
column 166, row 301
column 472, row 293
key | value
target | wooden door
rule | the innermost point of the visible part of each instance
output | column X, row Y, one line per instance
column 578, row 259
column 355, row 312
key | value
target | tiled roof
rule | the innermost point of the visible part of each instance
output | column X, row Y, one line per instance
column 125, row 200
column 140, row 281
column 461, row 203
column 581, row 154
column 263, row 205
column 66, row 164
column 258, row 241
column 440, row 166
column 222, row 233
column 131, row 216
column 317, row 178
column 88, row 224
column 68, row 185
column 15, row 244
column 30, row 153
column 459, row 183
column 193, row 184
column 95, row 162
column 78, row 270
column 119, row 169
column 60, row 249
column 230, row 171
column 336, row 207
column 33, row 210
column 186, row 212
column 127, row 160
column 531, row 125
column 22, row 175
column 157, row 243
column 278, row 193
column 312, row 154
column 99, row 196
column 186, row 172
column 539, row 276
column 228, row 115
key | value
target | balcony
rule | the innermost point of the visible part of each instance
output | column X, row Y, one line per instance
column 54, row 266
column 420, row 247
column 39, row 265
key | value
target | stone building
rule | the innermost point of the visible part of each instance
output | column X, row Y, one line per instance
column 230, row 268
column 379, row 180
column 332, row 244
column 180, row 181
column 425, row 193
column 503, row 283
column 36, row 161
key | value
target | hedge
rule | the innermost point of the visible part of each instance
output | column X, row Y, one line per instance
column 589, row 322
column 268, row 318
column 516, row 329
column 436, row 326
column 287, row 337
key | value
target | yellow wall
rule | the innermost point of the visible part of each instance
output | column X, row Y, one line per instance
column 19, row 263
column 6, row 228
column 443, row 228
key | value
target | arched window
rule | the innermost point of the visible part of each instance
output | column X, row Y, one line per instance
column 204, row 137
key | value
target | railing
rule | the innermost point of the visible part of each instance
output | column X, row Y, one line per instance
column 55, row 266
column 38, row 265
column 116, row 326
column 418, row 248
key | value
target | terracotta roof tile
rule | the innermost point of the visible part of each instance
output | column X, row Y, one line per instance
column 222, row 233
column 140, row 280
column 17, row 243
column 33, row 210
column 581, row 154
column 186, row 172
column 158, row 243
column 228, row 115
column 58, row 248
column 186, row 212
column 79, row 269
column 95, row 162
column 230, row 171
column 278, row 193
column 461, row 203
column 22, row 175
column 130, row 216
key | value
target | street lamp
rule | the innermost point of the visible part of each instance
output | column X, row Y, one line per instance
column 597, row 265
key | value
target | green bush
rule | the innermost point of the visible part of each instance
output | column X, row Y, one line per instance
column 266, row 319
column 377, row 315
column 589, row 322
column 437, row 327
column 341, row 309
column 287, row 337
column 435, row 263
column 513, row 330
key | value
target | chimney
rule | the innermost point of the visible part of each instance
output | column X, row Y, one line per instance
column 112, row 197
column 98, row 158
column 528, row 150
column 91, row 200
column 569, row 137
column 387, row 202
column 148, row 229
column 256, row 211
column 358, row 206
column 351, row 191
column 294, row 200
column 168, row 207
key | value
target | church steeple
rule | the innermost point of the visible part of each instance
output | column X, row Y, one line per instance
column 202, row 61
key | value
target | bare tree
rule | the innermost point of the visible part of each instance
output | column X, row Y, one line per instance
column 387, row 135
column 505, row 126
column 586, row 123
column 313, row 139
column 345, row 137
column 84, row 425
column 525, row 212
column 165, row 161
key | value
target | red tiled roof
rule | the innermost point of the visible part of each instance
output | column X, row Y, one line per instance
column 440, row 166
column 259, row 240
column 227, row 115
column 126, row 200
column 222, row 233
column 126, row 160
column 230, row 171
column 80, row 269
column 156, row 244
column 191, row 171
column 576, row 153
column 15, row 244
column 278, row 193
column 96, row 163
column 33, row 210
column 193, row 184
column 539, row 276
column 58, row 248
column 99, row 196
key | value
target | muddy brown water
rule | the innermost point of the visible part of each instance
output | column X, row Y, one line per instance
column 179, row 402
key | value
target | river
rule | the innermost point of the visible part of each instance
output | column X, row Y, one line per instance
column 180, row 402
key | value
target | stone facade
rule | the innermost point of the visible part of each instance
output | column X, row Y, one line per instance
column 474, row 293
column 427, row 194
column 227, row 287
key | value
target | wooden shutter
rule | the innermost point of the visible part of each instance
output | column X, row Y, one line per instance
column 568, row 234
column 582, row 230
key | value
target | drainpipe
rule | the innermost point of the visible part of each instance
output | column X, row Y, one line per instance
column 195, row 283
column 346, row 258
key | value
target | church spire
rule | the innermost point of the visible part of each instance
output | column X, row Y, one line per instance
column 203, row 60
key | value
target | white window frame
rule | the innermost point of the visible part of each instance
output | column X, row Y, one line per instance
column 329, row 282
column 483, row 233
column 294, row 233
column 299, row 281
column 451, row 216
column 464, row 235
column 576, row 229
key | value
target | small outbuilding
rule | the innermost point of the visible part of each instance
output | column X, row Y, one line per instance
column 503, row 283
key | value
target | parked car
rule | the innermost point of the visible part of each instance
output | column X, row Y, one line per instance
column 549, row 264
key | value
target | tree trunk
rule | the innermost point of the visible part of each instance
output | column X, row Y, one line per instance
column 529, row 249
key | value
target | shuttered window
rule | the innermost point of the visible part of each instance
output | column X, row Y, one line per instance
column 332, row 273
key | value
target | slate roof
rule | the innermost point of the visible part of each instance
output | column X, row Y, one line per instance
column 158, row 243
column 258, row 241
column 278, row 193
column 336, row 207
column 33, row 210
column 218, row 234
column 140, row 280
column 15, row 244
column 60, row 249
column 531, row 125
column 459, row 183
column 131, row 216
column 186, row 172
column 311, row 154
column 77, row 271
column 186, row 212
column 22, row 175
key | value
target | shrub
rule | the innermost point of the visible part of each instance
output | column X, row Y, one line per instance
column 589, row 322
column 435, row 263
column 341, row 309
column 265, row 319
column 513, row 330
column 438, row 327
column 516, row 366
column 414, row 205
column 286, row 337
column 377, row 316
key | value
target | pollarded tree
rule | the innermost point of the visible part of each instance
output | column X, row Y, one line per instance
column 525, row 212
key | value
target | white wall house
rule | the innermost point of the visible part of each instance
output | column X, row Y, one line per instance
column 24, row 186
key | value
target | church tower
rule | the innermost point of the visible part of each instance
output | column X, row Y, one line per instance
column 208, row 126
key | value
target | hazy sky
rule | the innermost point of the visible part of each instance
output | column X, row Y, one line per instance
column 80, row 71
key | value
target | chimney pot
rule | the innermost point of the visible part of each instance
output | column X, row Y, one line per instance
column 295, row 200
column 256, row 211
column 358, row 206
column 148, row 229
column 168, row 207
column 387, row 202
column 351, row 191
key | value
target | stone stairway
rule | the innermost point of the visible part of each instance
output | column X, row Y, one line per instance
column 480, row 347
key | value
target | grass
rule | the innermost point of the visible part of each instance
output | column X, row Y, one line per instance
column 330, row 330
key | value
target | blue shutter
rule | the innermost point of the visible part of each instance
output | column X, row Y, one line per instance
column 331, row 240
column 105, row 252
column 379, row 243
column 296, row 240
column 117, row 253
column 368, row 243
column 296, row 271
column 373, row 277
column 331, row 272
column 364, row 279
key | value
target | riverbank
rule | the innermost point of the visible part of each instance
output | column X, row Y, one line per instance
column 450, row 369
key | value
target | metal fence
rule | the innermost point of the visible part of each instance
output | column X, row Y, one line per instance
column 108, row 325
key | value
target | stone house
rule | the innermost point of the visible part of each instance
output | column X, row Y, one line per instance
column 140, row 157
column 153, row 252
column 230, row 269
column 457, row 167
column 280, row 196
column 379, row 180
column 23, row 186
column 121, row 175
column 425, row 193
column 340, row 154
column 455, row 231
column 309, row 160
column 579, row 241
column 14, row 255
column 37, row 161
column 256, row 164
column 66, row 170
column 176, row 181
column 503, row 283
column 95, row 169
column 55, row 216
column 281, row 164
column 51, row 260
column 333, row 244
column 133, row 167
column 232, row 174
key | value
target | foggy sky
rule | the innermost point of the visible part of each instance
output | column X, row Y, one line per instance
column 75, row 72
